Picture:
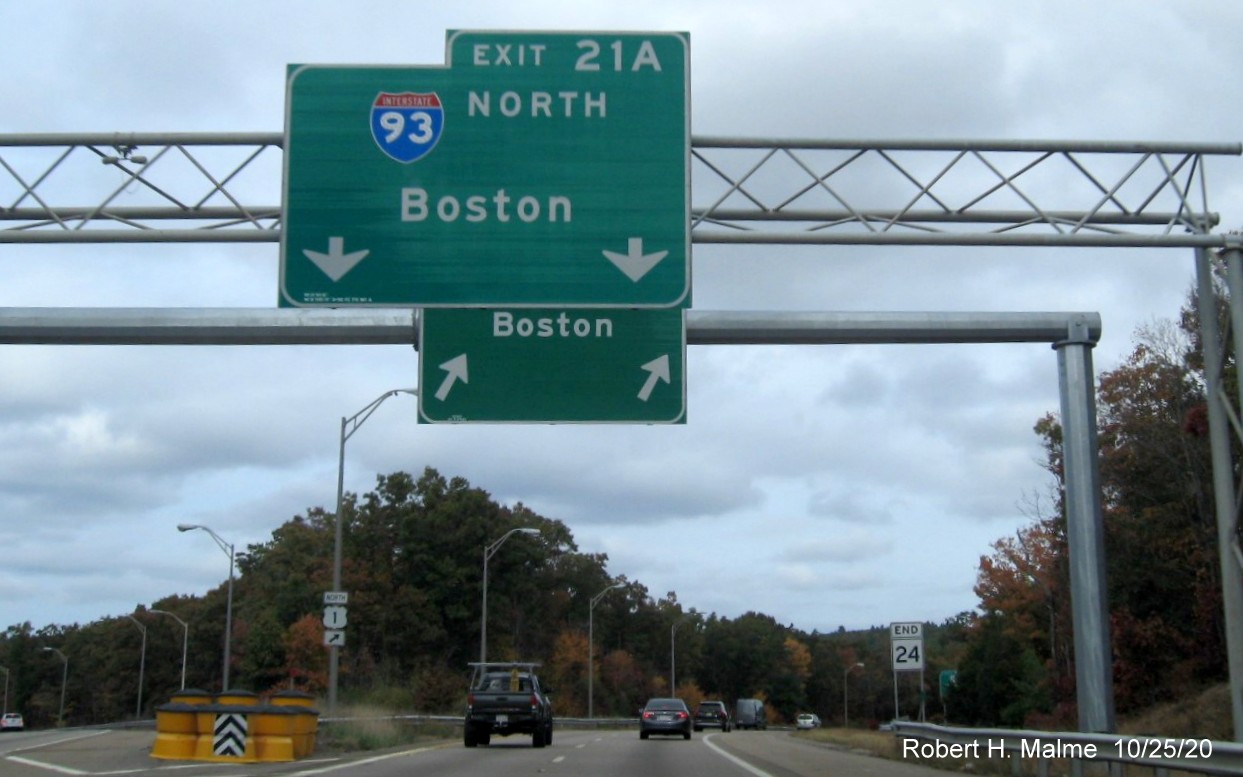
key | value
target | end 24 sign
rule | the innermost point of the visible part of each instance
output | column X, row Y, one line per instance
column 533, row 169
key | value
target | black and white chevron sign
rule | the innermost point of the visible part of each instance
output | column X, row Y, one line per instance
column 230, row 735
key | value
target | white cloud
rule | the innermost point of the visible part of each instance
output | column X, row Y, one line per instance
column 853, row 545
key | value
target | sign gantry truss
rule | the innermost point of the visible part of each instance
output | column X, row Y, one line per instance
column 225, row 187
column 220, row 188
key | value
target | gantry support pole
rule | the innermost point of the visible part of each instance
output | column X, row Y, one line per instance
column 1085, row 532
column 1224, row 495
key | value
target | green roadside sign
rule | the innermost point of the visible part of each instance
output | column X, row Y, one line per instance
column 554, row 365
column 947, row 679
column 533, row 169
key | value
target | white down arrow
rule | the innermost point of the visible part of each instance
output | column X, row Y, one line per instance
column 336, row 263
column 634, row 263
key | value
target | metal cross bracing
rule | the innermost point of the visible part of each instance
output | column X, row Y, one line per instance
column 140, row 187
column 225, row 187
column 953, row 193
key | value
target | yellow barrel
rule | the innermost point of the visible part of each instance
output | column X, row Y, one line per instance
column 191, row 696
column 293, row 699
column 273, row 730
column 176, row 731
column 237, row 698
column 306, row 722
column 281, row 730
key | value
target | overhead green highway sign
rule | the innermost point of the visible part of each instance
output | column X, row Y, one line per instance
column 532, row 169
column 552, row 365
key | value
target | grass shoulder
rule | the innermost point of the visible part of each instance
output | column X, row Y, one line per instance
column 367, row 728
column 858, row 740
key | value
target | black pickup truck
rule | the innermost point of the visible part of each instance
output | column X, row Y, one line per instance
column 504, row 699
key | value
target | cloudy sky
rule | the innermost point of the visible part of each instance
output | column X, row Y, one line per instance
column 823, row 485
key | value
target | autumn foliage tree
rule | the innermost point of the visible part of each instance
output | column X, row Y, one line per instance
column 567, row 673
column 1160, row 538
column 1160, row 522
column 306, row 662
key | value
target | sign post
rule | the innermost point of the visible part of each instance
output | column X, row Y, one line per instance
column 531, row 169
column 906, row 647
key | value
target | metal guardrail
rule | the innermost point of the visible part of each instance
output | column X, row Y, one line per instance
column 925, row 741
column 457, row 720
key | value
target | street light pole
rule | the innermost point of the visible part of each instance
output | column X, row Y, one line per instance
column 5, row 708
column 348, row 427
column 142, row 664
column 488, row 552
column 673, row 656
column 185, row 641
column 64, row 680
column 846, row 674
column 228, row 613
column 591, row 645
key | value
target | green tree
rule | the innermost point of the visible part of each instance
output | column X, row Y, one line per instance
column 1000, row 681
column 751, row 649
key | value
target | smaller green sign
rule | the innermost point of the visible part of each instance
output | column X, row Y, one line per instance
column 552, row 366
column 948, row 677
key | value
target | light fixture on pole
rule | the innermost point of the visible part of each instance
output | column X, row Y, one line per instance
column 348, row 427
column 64, row 680
column 845, row 675
column 185, row 641
column 591, row 645
column 228, row 612
column 488, row 552
column 142, row 664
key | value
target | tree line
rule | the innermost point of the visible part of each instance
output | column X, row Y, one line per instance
column 412, row 556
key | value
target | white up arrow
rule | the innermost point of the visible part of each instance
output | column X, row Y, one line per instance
column 657, row 369
column 634, row 263
column 336, row 263
column 456, row 369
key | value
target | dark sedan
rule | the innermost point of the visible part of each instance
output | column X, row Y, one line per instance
column 665, row 716
column 712, row 714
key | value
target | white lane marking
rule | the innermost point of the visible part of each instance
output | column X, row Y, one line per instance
column 558, row 759
column 61, row 741
column 753, row 769
column 373, row 759
column 50, row 767
column 41, row 765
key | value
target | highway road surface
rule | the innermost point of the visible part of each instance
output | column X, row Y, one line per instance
column 613, row 753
